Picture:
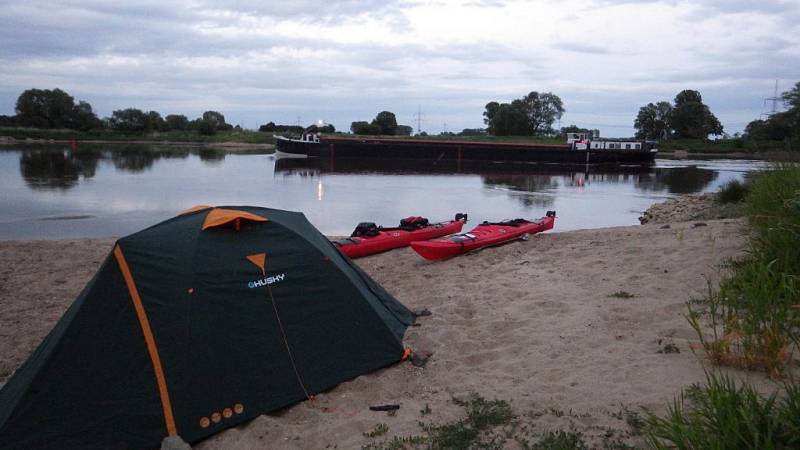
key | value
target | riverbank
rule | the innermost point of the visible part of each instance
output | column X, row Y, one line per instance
column 675, row 149
column 16, row 135
column 577, row 330
column 691, row 207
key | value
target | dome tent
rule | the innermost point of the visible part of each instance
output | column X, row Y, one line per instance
column 197, row 324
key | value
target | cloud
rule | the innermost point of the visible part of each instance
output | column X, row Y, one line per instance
column 346, row 60
column 581, row 47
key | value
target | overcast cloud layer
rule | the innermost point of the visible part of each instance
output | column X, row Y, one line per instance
column 342, row 61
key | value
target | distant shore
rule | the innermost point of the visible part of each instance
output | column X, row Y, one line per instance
column 228, row 145
column 677, row 149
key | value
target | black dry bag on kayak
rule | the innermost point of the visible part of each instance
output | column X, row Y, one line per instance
column 365, row 229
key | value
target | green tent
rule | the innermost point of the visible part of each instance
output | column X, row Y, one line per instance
column 197, row 324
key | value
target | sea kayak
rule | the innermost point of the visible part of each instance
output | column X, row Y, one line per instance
column 368, row 239
column 484, row 235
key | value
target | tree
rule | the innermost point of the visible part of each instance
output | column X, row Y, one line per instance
column 473, row 132
column 83, row 118
column 777, row 127
column 218, row 119
column 386, row 121
column 365, row 128
column 8, row 121
column 542, row 111
column 354, row 126
column 782, row 125
column 327, row 128
column 689, row 118
column 177, row 122
column 510, row 120
column 572, row 129
column 207, row 127
column 44, row 108
column 130, row 120
column 155, row 122
column 533, row 114
column 403, row 130
column 488, row 115
column 693, row 120
column 792, row 97
column 268, row 127
column 653, row 121
column 687, row 96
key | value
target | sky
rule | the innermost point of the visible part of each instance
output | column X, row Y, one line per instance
column 342, row 61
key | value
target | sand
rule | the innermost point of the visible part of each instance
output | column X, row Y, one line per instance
column 532, row 322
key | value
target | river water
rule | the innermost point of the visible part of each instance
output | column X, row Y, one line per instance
column 50, row 192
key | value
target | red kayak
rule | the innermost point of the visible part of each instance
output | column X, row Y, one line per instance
column 483, row 235
column 368, row 239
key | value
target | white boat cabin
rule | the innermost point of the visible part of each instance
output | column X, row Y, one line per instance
column 593, row 141
column 615, row 145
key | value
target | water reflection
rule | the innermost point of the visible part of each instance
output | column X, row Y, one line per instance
column 211, row 156
column 134, row 160
column 516, row 177
column 683, row 181
column 46, row 170
column 533, row 186
column 119, row 189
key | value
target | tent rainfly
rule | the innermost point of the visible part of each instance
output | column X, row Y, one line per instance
column 198, row 324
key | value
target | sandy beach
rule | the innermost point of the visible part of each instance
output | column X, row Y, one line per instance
column 569, row 328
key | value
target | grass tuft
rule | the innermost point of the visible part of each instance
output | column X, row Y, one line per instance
column 622, row 294
column 733, row 191
column 379, row 430
column 724, row 415
column 558, row 440
column 481, row 428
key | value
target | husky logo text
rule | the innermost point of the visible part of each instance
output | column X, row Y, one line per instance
column 265, row 281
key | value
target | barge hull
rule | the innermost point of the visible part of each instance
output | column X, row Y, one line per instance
column 456, row 151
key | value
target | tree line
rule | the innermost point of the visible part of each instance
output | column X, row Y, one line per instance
column 690, row 118
column 782, row 125
column 50, row 109
column 531, row 115
column 384, row 123
column 687, row 118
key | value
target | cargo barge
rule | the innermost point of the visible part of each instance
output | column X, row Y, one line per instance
column 576, row 151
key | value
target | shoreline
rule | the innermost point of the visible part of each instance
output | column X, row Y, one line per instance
column 770, row 155
column 541, row 324
column 228, row 145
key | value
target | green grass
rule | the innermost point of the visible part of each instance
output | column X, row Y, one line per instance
column 722, row 146
column 733, row 191
column 481, row 428
column 379, row 430
column 242, row 136
column 558, row 440
column 727, row 415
